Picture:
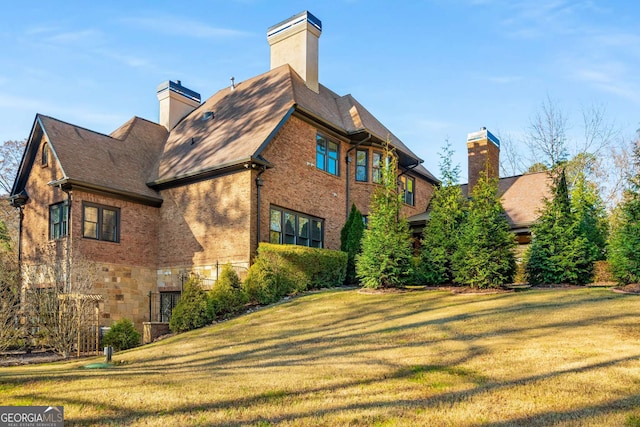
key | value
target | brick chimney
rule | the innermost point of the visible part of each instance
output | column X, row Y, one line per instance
column 484, row 156
column 176, row 101
column 294, row 41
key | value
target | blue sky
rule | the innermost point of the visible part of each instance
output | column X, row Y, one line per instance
column 429, row 70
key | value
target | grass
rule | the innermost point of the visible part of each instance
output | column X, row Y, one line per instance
column 343, row 358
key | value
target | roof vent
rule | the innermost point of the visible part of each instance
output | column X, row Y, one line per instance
column 207, row 115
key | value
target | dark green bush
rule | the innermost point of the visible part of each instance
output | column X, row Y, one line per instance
column 351, row 242
column 192, row 310
column 122, row 335
column 227, row 297
column 280, row 270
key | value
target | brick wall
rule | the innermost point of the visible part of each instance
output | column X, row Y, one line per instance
column 35, row 226
column 484, row 160
column 296, row 184
column 205, row 223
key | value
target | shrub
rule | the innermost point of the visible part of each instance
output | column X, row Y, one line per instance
column 602, row 272
column 267, row 281
column 122, row 335
column 351, row 242
column 192, row 310
column 280, row 270
column 227, row 297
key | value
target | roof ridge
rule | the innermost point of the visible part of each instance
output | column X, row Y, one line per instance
column 74, row 126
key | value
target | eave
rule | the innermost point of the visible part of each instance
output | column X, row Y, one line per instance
column 71, row 184
column 205, row 174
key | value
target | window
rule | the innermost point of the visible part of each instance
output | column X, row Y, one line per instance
column 362, row 165
column 326, row 155
column 275, row 229
column 376, row 168
column 45, row 154
column 101, row 223
column 407, row 185
column 295, row 229
column 58, row 220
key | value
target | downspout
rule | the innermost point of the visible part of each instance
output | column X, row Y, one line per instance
column 259, row 184
column 348, row 160
column 67, row 191
column 21, row 212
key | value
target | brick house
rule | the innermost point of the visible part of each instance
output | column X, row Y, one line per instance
column 277, row 158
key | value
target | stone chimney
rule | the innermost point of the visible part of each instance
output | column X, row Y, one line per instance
column 484, row 156
column 176, row 101
column 294, row 41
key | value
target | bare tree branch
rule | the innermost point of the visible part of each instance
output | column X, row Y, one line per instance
column 547, row 137
column 59, row 297
column 511, row 159
column 10, row 157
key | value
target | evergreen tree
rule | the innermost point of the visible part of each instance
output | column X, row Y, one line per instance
column 590, row 215
column 484, row 257
column 446, row 214
column 559, row 253
column 624, row 246
column 351, row 242
column 386, row 259
column 192, row 310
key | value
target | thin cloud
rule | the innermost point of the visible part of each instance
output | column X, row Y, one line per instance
column 176, row 26
column 536, row 19
column 133, row 61
column 610, row 77
column 503, row 80
column 72, row 37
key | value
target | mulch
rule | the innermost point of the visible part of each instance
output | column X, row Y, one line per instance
column 633, row 288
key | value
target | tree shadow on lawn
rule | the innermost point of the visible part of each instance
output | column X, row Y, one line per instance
column 117, row 414
column 325, row 345
column 328, row 343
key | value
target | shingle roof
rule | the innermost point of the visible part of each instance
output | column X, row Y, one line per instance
column 141, row 154
column 522, row 197
column 120, row 162
column 246, row 118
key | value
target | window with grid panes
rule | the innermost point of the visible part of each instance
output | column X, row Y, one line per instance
column 362, row 165
column 294, row 228
column 327, row 155
column 101, row 223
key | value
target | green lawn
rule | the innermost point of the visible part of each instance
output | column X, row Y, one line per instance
column 540, row 357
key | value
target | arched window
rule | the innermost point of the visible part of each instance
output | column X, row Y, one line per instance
column 45, row 154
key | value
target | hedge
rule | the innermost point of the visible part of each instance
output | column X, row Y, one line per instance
column 280, row 270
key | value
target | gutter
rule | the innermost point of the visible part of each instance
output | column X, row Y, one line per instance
column 103, row 190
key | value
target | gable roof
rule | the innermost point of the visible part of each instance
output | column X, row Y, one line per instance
column 522, row 198
column 118, row 163
column 247, row 117
column 140, row 157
